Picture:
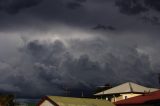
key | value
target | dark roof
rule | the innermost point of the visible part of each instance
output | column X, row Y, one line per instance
column 147, row 98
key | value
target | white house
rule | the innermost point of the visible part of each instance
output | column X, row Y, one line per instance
column 124, row 91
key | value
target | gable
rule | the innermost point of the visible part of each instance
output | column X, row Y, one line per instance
column 46, row 103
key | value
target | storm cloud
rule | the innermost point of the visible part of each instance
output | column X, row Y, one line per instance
column 50, row 46
column 45, row 67
column 143, row 8
column 131, row 7
column 103, row 27
column 14, row 6
column 134, row 7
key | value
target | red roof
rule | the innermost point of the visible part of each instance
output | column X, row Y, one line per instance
column 154, row 96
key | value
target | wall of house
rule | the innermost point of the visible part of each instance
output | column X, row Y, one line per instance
column 124, row 96
column 117, row 99
column 130, row 95
column 46, row 103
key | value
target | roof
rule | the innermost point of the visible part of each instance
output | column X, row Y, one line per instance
column 128, row 87
column 147, row 98
column 66, row 101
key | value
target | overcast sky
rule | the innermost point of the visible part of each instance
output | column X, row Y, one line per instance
column 47, row 46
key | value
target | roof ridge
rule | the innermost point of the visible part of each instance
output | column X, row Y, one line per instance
column 130, row 86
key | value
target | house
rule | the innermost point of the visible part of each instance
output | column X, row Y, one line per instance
column 124, row 91
column 70, row 101
column 6, row 100
column 150, row 99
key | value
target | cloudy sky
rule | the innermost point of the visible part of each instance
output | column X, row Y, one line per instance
column 48, row 46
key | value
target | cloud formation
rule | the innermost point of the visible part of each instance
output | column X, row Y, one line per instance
column 54, row 45
column 153, row 4
column 46, row 67
column 147, row 10
column 153, row 20
column 74, row 5
column 103, row 27
column 14, row 6
column 131, row 7
column 134, row 7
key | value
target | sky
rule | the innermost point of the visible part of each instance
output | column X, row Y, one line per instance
column 48, row 46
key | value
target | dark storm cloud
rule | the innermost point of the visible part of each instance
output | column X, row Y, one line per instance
column 81, row 1
column 134, row 7
column 154, row 4
column 86, row 14
column 58, row 67
column 147, row 10
column 103, row 27
column 153, row 20
column 49, row 13
column 50, row 68
column 131, row 7
column 74, row 5
column 99, row 26
column 81, row 58
column 14, row 6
